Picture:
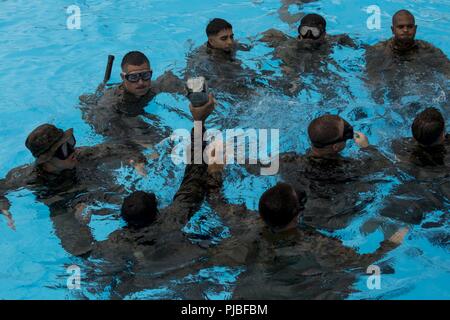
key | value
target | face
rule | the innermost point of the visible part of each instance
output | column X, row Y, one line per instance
column 404, row 29
column 141, row 87
column 56, row 165
column 224, row 40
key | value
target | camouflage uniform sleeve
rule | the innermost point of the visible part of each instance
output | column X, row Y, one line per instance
column 97, row 110
column 115, row 152
column 273, row 37
column 345, row 40
column 255, row 169
column 439, row 59
column 14, row 180
column 169, row 83
column 377, row 159
column 192, row 190
column 193, row 186
column 333, row 252
column 368, row 259
column 76, row 237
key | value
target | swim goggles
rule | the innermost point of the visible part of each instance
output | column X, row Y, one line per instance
column 134, row 77
column 314, row 31
column 66, row 149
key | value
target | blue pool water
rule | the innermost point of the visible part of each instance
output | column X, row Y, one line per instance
column 46, row 67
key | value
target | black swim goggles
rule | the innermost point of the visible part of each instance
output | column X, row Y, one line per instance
column 310, row 32
column 348, row 135
column 135, row 77
column 66, row 149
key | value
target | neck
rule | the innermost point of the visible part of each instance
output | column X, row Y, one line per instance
column 402, row 46
column 439, row 142
column 324, row 153
column 49, row 169
column 290, row 226
column 218, row 52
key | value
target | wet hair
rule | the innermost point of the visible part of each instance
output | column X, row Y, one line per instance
column 216, row 25
column 402, row 12
column 139, row 209
column 428, row 126
column 279, row 205
column 324, row 129
column 135, row 58
column 313, row 19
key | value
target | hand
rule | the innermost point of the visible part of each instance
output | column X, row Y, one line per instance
column 4, row 204
column 139, row 167
column 361, row 139
column 80, row 215
column 399, row 236
column 201, row 113
column 9, row 218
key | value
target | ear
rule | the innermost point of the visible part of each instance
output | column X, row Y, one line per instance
column 392, row 28
column 122, row 76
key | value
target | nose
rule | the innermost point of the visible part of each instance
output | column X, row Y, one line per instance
column 73, row 157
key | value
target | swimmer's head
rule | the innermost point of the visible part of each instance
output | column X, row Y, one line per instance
column 220, row 35
column 53, row 148
column 312, row 27
column 139, row 209
column 328, row 134
column 281, row 206
column 404, row 29
column 428, row 127
column 136, row 73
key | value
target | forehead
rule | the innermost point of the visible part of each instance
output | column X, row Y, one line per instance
column 225, row 33
column 403, row 19
column 133, row 68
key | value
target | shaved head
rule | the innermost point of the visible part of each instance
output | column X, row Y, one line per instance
column 402, row 13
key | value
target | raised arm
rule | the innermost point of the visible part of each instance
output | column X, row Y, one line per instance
column 193, row 187
column 15, row 179
column 386, row 246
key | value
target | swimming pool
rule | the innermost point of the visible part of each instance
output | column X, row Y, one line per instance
column 46, row 67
